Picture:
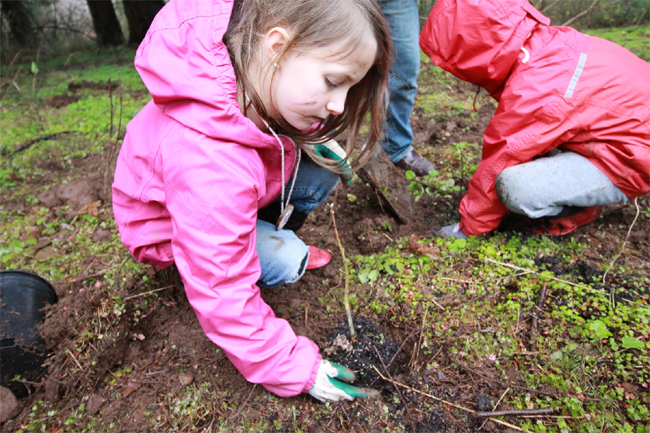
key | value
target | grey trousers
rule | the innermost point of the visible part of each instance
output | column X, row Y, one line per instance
column 544, row 186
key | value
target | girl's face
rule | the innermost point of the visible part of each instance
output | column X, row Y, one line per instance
column 310, row 85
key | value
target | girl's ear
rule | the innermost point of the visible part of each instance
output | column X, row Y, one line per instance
column 274, row 41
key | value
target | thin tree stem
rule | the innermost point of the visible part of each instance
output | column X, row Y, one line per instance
column 346, row 292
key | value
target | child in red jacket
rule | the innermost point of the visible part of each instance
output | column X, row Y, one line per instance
column 572, row 129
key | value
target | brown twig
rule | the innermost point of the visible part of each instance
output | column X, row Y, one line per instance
column 584, row 12
column 110, row 98
column 244, row 403
column 495, row 406
column 548, row 410
column 401, row 397
column 416, row 351
column 306, row 314
column 435, row 355
column 147, row 292
column 113, row 150
column 30, row 143
column 401, row 346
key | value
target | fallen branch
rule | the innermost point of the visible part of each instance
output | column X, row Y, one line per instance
column 548, row 410
column 30, row 143
column 495, row 406
column 584, row 12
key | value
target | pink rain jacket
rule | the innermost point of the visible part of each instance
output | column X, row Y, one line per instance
column 563, row 90
column 190, row 178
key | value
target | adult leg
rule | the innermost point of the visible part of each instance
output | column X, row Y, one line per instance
column 404, row 21
column 548, row 186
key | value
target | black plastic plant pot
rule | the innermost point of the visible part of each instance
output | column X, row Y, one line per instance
column 23, row 296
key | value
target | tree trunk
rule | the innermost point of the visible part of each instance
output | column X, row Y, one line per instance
column 107, row 27
column 19, row 21
column 140, row 14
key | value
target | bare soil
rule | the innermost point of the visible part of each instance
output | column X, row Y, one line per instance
column 166, row 349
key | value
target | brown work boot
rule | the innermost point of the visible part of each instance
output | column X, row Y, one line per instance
column 416, row 163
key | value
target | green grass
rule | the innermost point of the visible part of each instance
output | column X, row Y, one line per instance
column 635, row 39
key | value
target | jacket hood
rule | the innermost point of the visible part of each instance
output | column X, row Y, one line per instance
column 186, row 68
column 479, row 40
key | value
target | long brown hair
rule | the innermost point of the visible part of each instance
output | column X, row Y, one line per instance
column 317, row 24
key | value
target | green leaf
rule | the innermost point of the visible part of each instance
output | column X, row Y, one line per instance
column 363, row 276
column 632, row 343
column 458, row 245
column 600, row 329
column 34, row 68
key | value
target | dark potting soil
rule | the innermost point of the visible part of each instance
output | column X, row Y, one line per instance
column 361, row 353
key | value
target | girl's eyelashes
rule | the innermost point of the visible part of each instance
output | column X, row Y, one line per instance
column 330, row 84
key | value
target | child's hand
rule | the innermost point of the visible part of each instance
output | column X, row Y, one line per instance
column 331, row 150
column 326, row 387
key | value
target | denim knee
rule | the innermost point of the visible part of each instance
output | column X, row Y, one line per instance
column 283, row 256
column 313, row 185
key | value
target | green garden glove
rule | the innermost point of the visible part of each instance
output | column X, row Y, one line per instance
column 331, row 150
column 326, row 387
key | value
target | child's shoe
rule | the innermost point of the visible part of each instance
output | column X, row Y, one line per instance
column 317, row 258
column 567, row 222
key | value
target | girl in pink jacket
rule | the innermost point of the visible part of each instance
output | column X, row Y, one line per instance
column 211, row 167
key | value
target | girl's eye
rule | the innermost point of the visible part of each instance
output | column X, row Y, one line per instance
column 330, row 84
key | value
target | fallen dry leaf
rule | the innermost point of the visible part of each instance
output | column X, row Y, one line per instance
column 131, row 387
column 424, row 249
column 91, row 208
column 185, row 379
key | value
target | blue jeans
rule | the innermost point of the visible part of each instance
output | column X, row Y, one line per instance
column 544, row 186
column 404, row 21
column 283, row 256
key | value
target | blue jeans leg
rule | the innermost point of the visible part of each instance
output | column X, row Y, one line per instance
column 283, row 256
column 313, row 184
column 404, row 21
column 544, row 186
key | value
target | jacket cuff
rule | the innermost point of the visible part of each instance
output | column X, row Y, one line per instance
column 312, row 376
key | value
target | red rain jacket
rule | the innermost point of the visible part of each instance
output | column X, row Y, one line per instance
column 556, row 88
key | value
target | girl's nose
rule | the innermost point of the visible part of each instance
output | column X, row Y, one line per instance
column 336, row 104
